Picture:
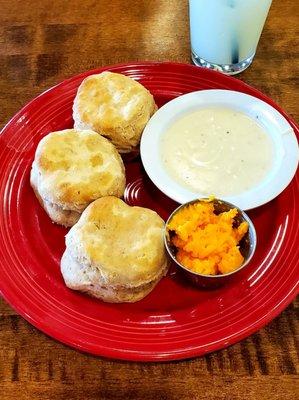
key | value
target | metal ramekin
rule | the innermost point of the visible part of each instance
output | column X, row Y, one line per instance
column 247, row 246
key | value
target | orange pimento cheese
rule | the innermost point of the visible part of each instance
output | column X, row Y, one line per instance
column 207, row 243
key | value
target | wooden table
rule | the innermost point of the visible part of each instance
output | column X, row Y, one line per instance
column 42, row 43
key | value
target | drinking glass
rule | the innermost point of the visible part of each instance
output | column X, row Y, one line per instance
column 225, row 33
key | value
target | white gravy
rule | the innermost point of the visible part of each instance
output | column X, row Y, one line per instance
column 216, row 151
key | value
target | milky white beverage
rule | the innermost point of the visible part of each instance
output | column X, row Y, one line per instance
column 226, row 32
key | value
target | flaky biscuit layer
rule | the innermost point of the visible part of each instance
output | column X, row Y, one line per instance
column 88, row 279
column 72, row 168
column 57, row 214
column 115, row 106
column 123, row 244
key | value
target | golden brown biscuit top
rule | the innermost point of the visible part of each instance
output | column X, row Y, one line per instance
column 76, row 167
column 125, row 243
column 109, row 100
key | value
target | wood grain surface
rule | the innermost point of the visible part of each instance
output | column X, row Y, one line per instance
column 43, row 42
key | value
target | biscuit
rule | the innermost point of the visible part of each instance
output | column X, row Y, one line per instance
column 73, row 168
column 115, row 252
column 115, row 106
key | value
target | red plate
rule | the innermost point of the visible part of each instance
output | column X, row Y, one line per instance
column 175, row 321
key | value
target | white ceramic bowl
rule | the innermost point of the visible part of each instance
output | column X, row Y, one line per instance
column 275, row 125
